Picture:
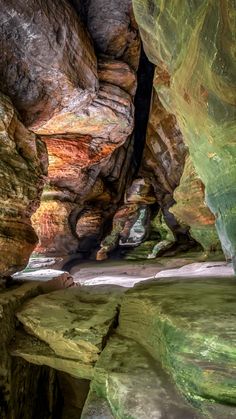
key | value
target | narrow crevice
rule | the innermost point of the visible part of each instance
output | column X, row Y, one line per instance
column 112, row 327
column 142, row 103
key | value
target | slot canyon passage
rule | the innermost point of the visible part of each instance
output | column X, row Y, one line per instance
column 117, row 209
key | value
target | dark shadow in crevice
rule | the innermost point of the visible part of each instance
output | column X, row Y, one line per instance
column 142, row 103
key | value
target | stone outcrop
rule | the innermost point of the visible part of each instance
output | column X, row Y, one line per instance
column 129, row 228
column 18, row 378
column 191, row 210
column 51, row 222
column 74, row 323
column 129, row 383
column 48, row 66
column 80, row 99
column 200, row 90
column 163, row 157
column 23, row 169
column 145, row 350
column 112, row 27
column 80, row 80
column 169, row 319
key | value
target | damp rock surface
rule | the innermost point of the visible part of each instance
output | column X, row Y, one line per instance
column 73, row 322
column 133, row 385
column 190, row 209
column 188, row 324
column 165, row 347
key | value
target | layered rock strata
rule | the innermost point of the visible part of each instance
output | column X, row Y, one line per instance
column 146, row 350
column 23, row 170
column 18, row 378
column 164, row 158
column 190, row 209
column 200, row 66
column 80, row 100
column 71, row 69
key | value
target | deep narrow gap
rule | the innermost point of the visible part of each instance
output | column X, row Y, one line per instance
column 142, row 103
column 114, row 325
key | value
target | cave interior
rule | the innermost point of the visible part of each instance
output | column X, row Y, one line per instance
column 117, row 209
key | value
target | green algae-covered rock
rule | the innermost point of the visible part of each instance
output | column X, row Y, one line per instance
column 150, row 249
column 193, row 45
column 129, row 384
column 37, row 352
column 190, row 326
column 74, row 323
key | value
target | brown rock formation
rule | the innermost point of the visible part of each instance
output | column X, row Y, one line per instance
column 23, row 167
column 191, row 210
column 51, row 223
column 83, row 107
column 164, row 157
column 47, row 62
column 112, row 27
column 71, row 69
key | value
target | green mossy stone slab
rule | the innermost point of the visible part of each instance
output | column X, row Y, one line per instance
column 73, row 322
column 190, row 326
column 130, row 384
column 38, row 352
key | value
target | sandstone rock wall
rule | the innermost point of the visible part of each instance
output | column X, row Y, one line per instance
column 164, row 158
column 71, row 71
column 190, row 209
column 193, row 43
column 23, row 169
column 70, row 68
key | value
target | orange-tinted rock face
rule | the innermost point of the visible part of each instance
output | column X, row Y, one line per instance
column 79, row 99
column 163, row 157
column 52, row 224
column 69, row 156
column 190, row 208
column 23, row 168
column 165, row 151
column 71, row 69
column 88, row 134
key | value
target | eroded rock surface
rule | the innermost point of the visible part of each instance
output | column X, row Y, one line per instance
column 131, row 384
column 157, row 355
column 73, row 322
column 164, row 157
column 48, row 66
column 80, row 99
column 169, row 317
column 23, row 169
column 200, row 91
column 190, row 209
